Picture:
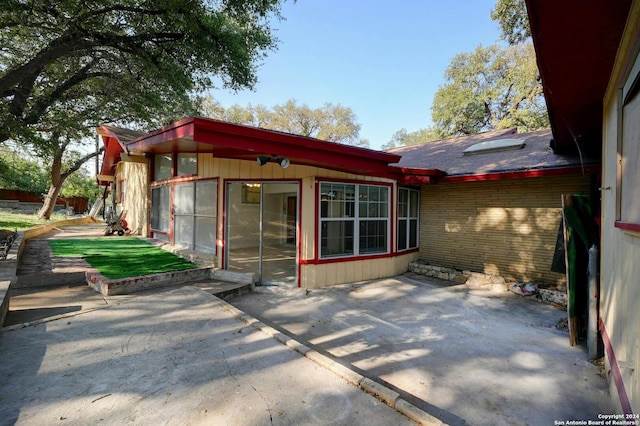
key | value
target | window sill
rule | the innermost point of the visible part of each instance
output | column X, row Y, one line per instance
column 626, row 226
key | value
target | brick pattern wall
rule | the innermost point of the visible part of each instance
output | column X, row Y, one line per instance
column 502, row 227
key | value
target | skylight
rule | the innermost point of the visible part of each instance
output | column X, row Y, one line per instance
column 494, row 145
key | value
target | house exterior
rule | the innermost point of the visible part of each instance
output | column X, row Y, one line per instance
column 497, row 210
column 337, row 214
column 588, row 56
column 287, row 208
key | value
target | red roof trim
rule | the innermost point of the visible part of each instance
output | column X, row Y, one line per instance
column 244, row 142
column 112, row 150
column 415, row 176
column 560, row 171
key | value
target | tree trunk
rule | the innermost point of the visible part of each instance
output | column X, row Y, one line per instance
column 57, row 179
column 50, row 201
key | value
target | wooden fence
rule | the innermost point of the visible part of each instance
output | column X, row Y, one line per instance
column 79, row 204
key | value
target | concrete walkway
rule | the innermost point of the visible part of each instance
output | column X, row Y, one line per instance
column 465, row 355
column 172, row 358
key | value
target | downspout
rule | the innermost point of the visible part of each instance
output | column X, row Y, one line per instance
column 593, row 346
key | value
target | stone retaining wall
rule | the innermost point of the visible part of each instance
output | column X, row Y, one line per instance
column 493, row 282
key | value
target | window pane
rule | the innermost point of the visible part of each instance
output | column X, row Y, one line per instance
column 187, row 164
column 183, row 198
column 206, row 234
column 413, row 203
column 162, row 166
column 403, row 202
column 206, row 197
column 160, row 205
column 402, row 234
column 373, row 236
column 413, row 233
column 337, row 200
column 336, row 238
column 184, row 231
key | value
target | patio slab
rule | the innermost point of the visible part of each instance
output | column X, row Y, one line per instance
column 464, row 355
column 174, row 357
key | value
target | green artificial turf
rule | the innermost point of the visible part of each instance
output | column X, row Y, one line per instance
column 120, row 257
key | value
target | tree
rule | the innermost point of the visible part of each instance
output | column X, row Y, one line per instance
column 67, row 66
column 19, row 172
column 331, row 122
column 404, row 138
column 490, row 88
column 512, row 17
column 60, row 170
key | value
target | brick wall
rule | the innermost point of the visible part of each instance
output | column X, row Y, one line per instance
column 506, row 228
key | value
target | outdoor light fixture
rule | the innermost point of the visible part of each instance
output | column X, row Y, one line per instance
column 283, row 161
column 262, row 160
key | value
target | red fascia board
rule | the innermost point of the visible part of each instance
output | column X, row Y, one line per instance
column 414, row 176
column 286, row 140
column 252, row 140
column 178, row 130
column 558, row 171
column 112, row 150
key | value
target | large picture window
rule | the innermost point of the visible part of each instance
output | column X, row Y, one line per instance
column 408, row 207
column 354, row 219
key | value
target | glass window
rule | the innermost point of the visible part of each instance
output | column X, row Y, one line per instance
column 187, row 164
column 162, row 166
column 195, row 215
column 348, row 228
column 160, row 206
column 408, row 208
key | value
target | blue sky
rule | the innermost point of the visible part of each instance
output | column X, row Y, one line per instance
column 383, row 59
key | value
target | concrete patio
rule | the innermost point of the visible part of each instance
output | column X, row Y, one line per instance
column 437, row 352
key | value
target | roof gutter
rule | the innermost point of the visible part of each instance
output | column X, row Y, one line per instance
column 523, row 174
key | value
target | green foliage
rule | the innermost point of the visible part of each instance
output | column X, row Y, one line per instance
column 512, row 17
column 66, row 66
column 81, row 184
column 69, row 65
column 490, row 88
column 331, row 122
column 404, row 138
column 19, row 173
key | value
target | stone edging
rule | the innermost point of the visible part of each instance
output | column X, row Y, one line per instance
column 493, row 282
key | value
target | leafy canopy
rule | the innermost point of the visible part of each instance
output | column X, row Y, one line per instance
column 330, row 122
column 512, row 17
column 490, row 88
column 67, row 65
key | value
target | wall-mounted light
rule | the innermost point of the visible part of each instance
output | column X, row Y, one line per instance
column 262, row 160
column 283, row 161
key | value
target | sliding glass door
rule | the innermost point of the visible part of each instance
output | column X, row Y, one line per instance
column 261, row 230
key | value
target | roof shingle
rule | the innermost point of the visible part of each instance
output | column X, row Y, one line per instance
column 447, row 154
